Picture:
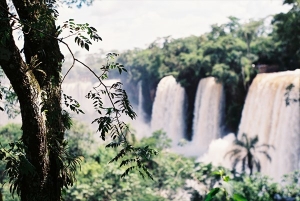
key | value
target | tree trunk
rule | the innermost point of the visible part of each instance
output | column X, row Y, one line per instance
column 250, row 163
column 39, row 92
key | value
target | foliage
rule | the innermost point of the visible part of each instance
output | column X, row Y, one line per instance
column 226, row 190
column 11, row 101
column 287, row 94
column 257, row 187
column 97, row 179
column 39, row 165
column 227, row 52
column 80, row 137
column 9, row 133
column 286, row 29
column 291, row 185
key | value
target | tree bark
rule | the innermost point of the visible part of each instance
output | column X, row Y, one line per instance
column 39, row 92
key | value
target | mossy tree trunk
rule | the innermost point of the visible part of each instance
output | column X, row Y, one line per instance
column 37, row 84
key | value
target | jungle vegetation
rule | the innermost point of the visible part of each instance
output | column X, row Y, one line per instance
column 175, row 177
column 41, row 162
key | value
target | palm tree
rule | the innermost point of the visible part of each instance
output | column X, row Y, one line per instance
column 245, row 152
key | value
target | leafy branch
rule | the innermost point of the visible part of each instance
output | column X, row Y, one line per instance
column 109, row 122
column 79, row 30
column 17, row 165
column 72, row 104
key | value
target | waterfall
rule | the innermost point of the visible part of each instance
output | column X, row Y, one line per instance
column 266, row 114
column 216, row 151
column 168, row 111
column 140, row 111
column 209, row 104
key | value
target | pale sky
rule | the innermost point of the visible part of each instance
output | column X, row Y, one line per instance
column 128, row 24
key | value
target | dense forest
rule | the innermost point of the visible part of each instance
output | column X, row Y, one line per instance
column 82, row 168
column 175, row 177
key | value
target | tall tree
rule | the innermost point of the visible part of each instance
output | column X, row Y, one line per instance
column 245, row 153
column 250, row 31
column 30, row 78
column 42, row 165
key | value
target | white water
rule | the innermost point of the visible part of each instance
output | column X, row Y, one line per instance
column 140, row 111
column 217, row 150
column 168, row 111
column 209, row 104
column 265, row 114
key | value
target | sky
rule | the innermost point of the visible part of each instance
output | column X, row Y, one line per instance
column 126, row 24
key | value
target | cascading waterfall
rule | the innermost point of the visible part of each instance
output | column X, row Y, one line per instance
column 140, row 111
column 266, row 114
column 140, row 126
column 168, row 111
column 208, row 112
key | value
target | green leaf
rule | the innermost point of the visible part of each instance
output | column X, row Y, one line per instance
column 226, row 178
column 93, row 28
column 238, row 197
column 87, row 46
column 212, row 194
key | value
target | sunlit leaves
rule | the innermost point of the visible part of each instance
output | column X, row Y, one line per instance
column 225, row 189
column 211, row 194
column 238, row 197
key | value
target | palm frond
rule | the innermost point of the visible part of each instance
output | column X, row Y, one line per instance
column 253, row 141
column 233, row 153
column 266, row 154
column 239, row 143
column 267, row 146
column 257, row 165
column 244, row 136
